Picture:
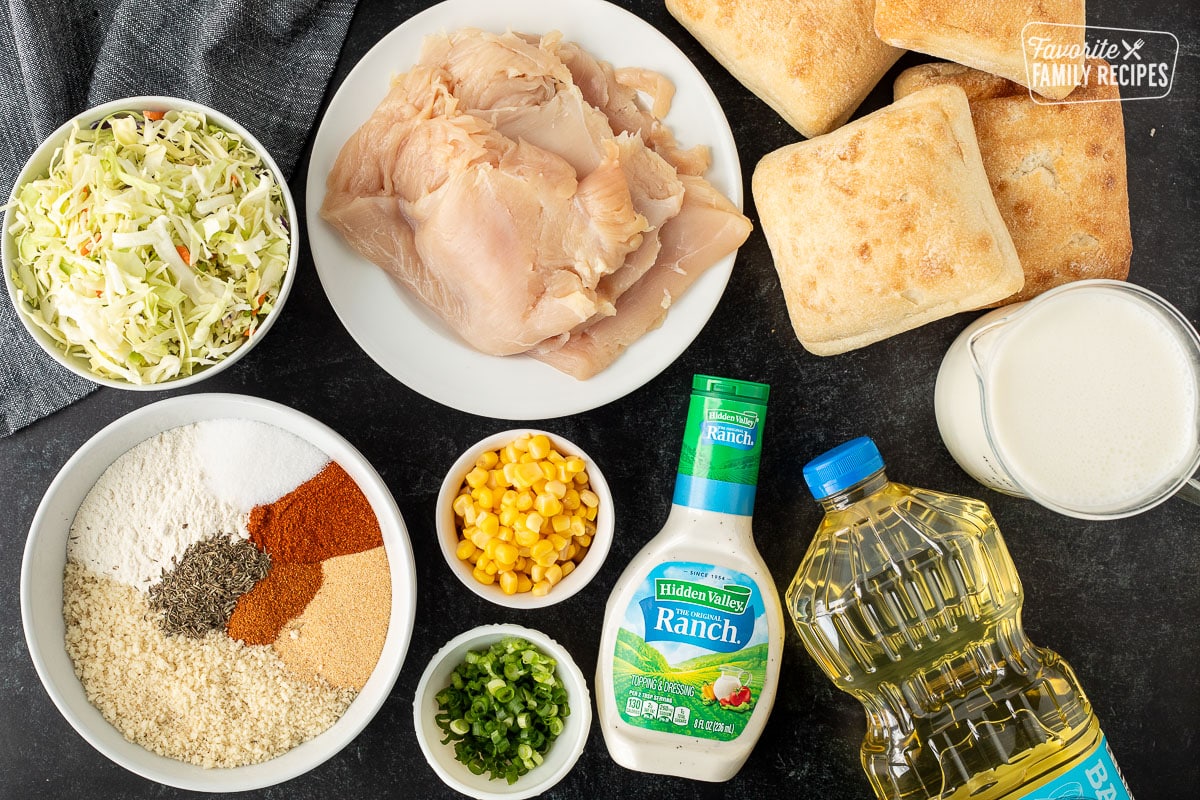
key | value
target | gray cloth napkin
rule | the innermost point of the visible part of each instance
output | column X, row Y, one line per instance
column 265, row 64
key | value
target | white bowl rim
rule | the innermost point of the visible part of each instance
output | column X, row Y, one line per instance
column 44, row 151
column 570, row 585
column 117, row 437
column 429, row 735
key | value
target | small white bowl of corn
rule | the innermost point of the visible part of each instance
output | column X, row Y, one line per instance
column 525, row 518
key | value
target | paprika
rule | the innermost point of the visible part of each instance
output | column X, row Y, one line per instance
column 326, row 516
column 273, row 602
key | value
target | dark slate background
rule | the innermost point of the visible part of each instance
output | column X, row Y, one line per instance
column 1119, row 600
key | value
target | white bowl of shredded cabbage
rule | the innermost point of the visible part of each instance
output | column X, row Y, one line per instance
column 149, row 243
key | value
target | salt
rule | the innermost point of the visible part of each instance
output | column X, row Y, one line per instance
column 248, row 463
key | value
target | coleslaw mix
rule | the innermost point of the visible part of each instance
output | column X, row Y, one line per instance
column 156, row 245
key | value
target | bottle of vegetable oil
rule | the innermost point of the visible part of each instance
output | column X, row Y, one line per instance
column 693, row 631
column 909, row 601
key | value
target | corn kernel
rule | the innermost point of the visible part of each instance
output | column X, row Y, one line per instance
column 584, row 541
column 483, row 577
column 524, row 501
column 575, row 465
column 488, row 523
column 461, row 504
column 537, row 572
column 558, row 542
column 569, row 552
column 560, row 523
column 505, row 534
column 570, row 500
column 488, row 459
column 547, row 505
column 509, row 498
column 541, row 588
column 581, row 478
column 523, row 583
column 479, row 538
column 466, row 548
column 577, row 528
column 554, row 574
column 547, row 559
column 539, row 446
column 589, row 498
column 485, row 497
column 567, row 568
column 549, row 471
column 534, row 521
column 508, row 582
column 540, row 549
column 476, row 477
column 506, row 553
column 489, row 549
column 491, row 569
column 556, row 488
column 560, row 473
column 525, row 537
column 525, row 474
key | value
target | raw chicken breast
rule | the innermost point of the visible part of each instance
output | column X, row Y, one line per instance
column 506, row 181
column 707, row 228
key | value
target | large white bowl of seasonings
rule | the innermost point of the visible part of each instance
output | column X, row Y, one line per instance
column 234, row 587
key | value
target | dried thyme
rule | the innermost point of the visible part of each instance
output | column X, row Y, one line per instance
column 198, row 594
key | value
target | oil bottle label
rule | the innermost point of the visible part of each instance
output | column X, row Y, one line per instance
column 1095, row 777
column 691, row 652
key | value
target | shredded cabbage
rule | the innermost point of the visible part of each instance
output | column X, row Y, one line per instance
column 156, row 245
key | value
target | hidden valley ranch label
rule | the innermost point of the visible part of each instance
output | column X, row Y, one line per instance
column 691, row 653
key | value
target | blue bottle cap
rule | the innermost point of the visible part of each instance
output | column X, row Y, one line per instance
column 842, row 467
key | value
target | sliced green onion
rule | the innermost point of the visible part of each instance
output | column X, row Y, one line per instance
column 503, row 709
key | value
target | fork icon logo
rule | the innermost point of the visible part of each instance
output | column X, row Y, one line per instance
column 1132, row 49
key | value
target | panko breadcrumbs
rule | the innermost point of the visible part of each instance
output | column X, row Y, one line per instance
column 213, row 702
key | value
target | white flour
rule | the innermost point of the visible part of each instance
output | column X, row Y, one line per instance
column 147, row 507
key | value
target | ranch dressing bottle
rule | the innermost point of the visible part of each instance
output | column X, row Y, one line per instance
column 693, row 631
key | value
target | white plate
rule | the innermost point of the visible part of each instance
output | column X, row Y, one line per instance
column 409, row 341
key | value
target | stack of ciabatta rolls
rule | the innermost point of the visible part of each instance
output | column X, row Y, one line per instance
column 982, row 184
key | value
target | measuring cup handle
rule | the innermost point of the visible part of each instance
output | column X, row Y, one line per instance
column 1190, row 491
column 745, row 675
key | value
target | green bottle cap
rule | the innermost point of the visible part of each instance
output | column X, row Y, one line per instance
column 731, row 388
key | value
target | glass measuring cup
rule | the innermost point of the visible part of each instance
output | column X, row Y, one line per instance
column 1085, row 399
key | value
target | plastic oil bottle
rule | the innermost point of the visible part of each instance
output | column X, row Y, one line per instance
column 909, row 601
column 693, row 631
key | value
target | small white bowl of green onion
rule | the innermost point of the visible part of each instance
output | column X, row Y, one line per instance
column 502, row 711
column 149, row 243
